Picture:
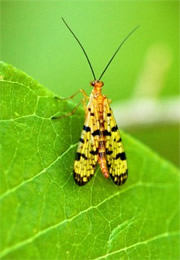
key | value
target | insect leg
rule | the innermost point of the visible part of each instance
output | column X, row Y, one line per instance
column 77, row 92
column 72, row 112
column 85, row 106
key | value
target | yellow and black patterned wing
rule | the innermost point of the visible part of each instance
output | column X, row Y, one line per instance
column 87, row 151
column 115, row 155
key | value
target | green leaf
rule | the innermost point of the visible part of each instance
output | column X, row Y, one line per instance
column 45, row 215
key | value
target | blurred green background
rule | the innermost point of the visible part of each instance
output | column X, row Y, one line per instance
column 34, row 39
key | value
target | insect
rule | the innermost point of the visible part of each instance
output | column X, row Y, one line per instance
column 100, row 141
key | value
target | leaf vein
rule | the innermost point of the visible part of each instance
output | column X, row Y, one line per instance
column 29, row 240
column 166, row 234
column 37, row 175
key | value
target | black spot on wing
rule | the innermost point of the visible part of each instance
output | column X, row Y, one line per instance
column 108, row 114
column 86, row 128
column 79, row 155
column 108, row 165
column 121, row 179
column 114, row 128
column 94, row 152
column 109, row 152
column 122, row 156
column 96, row 132
column 81, row 180
column 81, row 140
column 118, row 141
column 106, row 133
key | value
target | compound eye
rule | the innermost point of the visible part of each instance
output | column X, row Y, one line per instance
column 92, row 83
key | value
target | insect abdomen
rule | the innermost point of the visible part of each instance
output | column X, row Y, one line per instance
column 102, row 149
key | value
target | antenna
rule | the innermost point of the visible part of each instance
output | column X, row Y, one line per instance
column 125, row 39
column 81, row 48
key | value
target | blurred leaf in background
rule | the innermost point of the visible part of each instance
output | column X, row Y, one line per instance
column 34, row 39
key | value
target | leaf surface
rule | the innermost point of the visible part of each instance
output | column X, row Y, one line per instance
column 45, row 215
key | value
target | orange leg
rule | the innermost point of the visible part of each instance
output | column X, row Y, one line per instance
column 77, row 92
column 76, row 107
column 73, row 111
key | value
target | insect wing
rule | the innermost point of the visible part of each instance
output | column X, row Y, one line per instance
column 115, row 155
column 87, row 151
